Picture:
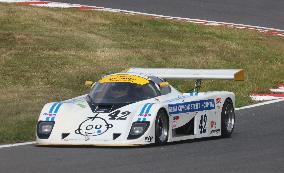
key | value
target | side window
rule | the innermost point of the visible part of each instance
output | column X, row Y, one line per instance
column 153, row 87
column 150, row 91
column 157, row 81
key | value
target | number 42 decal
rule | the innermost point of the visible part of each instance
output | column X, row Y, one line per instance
column 114, row 115
column 202, row 124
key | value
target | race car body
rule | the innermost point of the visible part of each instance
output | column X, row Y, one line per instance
column 139, row 107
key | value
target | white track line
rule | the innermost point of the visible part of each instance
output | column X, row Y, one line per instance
column 241, row 108
column 260, row 104
column 16, row 144
column 261, row 29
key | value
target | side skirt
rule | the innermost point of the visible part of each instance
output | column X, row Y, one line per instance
column 187, row 137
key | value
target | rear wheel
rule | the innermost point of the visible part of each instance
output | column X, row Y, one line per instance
column 161, row 128
column 227, row 118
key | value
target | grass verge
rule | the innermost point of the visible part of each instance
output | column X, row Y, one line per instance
column 47, row 54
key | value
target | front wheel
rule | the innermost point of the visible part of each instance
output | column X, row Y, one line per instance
column 161, row 128
column 227, row 118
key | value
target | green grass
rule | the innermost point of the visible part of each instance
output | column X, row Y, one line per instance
column 47, row 54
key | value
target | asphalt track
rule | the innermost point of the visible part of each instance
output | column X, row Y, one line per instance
column 255, row 146
column 266, row 13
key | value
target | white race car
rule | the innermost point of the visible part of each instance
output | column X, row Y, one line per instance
column 139, row 107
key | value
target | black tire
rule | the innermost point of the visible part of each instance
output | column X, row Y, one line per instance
column 161, row 128
column 227, row 118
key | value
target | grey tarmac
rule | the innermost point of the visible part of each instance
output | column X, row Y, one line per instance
column 266, row 13
column 255, row 146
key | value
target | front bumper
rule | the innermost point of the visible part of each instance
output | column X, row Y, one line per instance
column 137, row 142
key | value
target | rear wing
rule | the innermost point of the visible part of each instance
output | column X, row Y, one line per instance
column 198, row 74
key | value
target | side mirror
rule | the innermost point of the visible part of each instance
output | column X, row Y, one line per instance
column 164, row 84
column 89, row 83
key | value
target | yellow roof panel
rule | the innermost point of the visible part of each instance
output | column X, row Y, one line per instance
column 125, row 78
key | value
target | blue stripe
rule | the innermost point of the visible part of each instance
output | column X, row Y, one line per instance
column 47, row 119
column 148, row 109
column 143, row 109
column 57, row 108
column 52, row 119
column 139, row 119
column 144, row 119
column 52, row 107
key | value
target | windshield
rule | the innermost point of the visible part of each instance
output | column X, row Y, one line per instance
column 122, row 92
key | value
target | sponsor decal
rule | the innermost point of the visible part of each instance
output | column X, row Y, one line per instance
column 115, row 115
column 215, row 131
column 213, row 125
column 54, row 109
column 93, row 126
column 149, row 138
column 193, row 106
column 218, row 100
column 174, row 124
column 144, row 113
column 202, row 124
column 176, row 118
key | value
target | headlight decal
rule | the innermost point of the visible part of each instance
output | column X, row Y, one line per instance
column 138, row 129
column 44, row 129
